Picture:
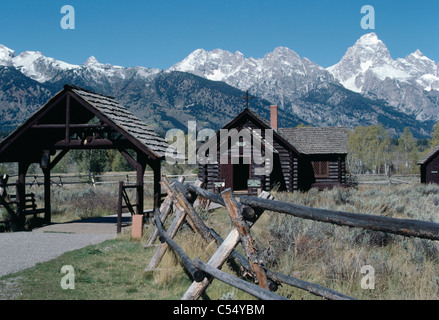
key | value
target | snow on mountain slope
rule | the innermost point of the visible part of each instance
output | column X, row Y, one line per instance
column 409, row 84
column 6, row 55
column 42, row 69
column 300, row 86
column 38, row 67
column 278, row 76
column 369, row 57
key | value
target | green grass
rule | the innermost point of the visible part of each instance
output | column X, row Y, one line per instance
column 110, row 270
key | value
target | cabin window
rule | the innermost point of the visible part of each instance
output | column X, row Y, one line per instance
column 321, row 169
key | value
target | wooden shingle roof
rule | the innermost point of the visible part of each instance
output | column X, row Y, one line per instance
column 429, row 155
column 69, row 112
column 310, row 140
column 124, row 119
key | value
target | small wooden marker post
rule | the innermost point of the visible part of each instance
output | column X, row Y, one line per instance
column 137, row 227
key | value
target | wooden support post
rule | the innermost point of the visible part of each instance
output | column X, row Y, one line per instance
column 21, row 194
column 67, row 139
column 247, row 240
column 140, row 172
column 172, row 192
column 47, row 198
column 4, row 198
column 157, row 187
column 240, row 265
column 175, row 225
column 219, row 258
column 216, row 261
column 119, row 207
column 165, row 209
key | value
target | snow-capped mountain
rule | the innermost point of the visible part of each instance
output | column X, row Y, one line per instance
column 409, row 84
column 366, row 87
column 6, row 55
column 34, row 64
column 45, row 69
column 279, row 76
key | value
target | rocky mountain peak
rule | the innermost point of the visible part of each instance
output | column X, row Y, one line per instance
column 6, row 55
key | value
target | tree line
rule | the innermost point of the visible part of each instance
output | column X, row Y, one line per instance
column 371, row 149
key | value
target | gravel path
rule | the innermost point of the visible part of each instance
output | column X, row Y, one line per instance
column 22, row 250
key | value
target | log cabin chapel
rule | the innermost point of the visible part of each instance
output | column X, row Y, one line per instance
column 303, row 157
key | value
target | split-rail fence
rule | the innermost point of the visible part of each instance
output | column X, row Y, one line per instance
column 243, row 214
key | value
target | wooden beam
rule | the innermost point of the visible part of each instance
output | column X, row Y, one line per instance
column 165, row 209
column 218, row 259
column 175, row 225
column 312, row 288
column 248, row 212
column 172, row 192
column 133, row 141
column 200, row 227
column 403, row 227
column 47, row 198
column 93, row 144
column 161, row 250
column 61, row 126
column 238, row 263
column 248, row 287
column 58, row 158
column 129, row 159
column 67, row 139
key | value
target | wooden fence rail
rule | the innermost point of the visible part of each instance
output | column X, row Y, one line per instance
column 243, row 215
column 60, row 180
column 404, row 227
column 250, row 266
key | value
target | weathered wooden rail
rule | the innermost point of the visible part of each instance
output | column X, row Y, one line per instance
column 243, row 215
column 404, row 227
column 60, row 180
column 202, row 273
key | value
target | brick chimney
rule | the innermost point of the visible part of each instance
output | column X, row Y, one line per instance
column 273, row 117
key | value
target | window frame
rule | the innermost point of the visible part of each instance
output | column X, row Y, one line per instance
column 321, row 165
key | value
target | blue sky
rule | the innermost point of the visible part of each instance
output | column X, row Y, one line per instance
column 157, row 34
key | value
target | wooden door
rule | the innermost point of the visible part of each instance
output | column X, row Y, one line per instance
column 227, row 174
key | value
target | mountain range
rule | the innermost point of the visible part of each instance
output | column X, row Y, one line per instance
column 365, row 87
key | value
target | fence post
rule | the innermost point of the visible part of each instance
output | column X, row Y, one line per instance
column 247, row 240
column 221, row 255
column 119, row 208
column 178, row 220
